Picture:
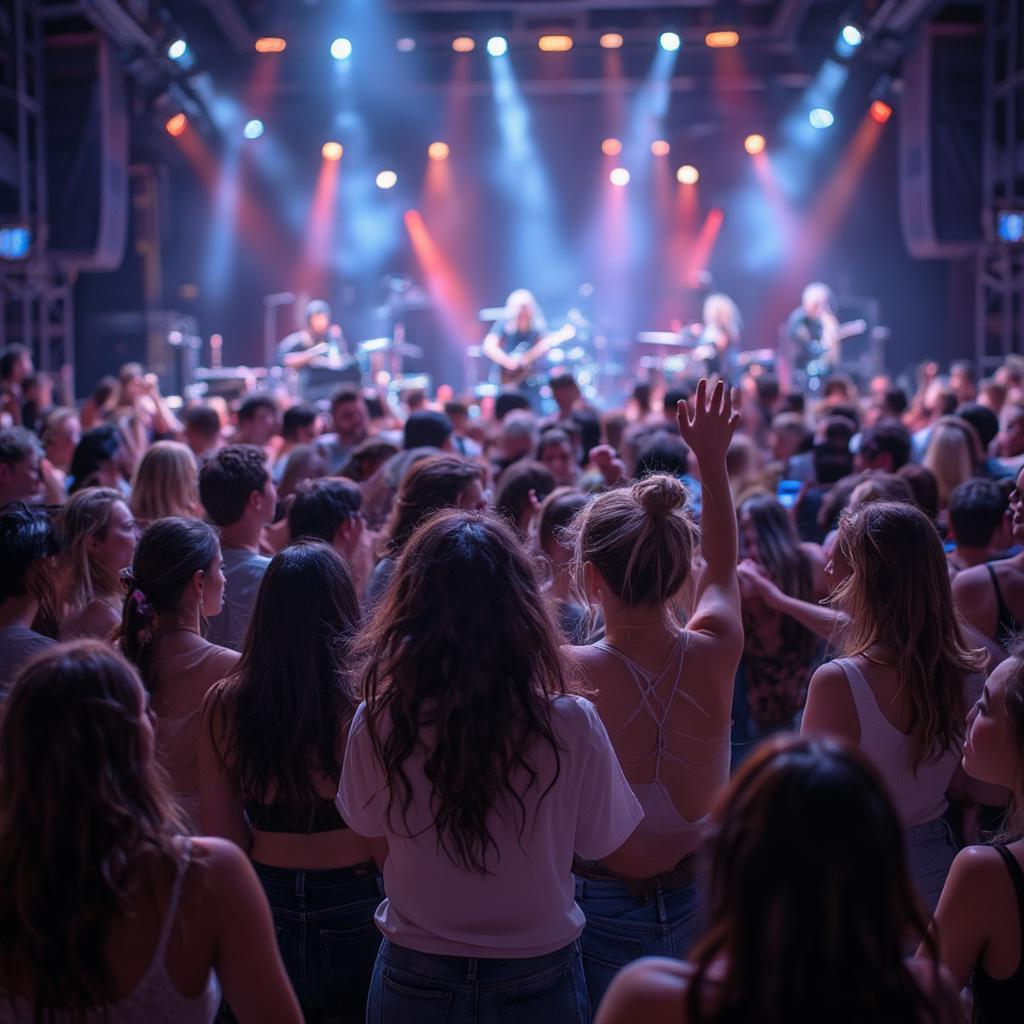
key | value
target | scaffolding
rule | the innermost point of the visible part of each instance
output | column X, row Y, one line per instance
column 999, row 308
column 35, row 294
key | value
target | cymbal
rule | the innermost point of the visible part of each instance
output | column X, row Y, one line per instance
column 372, row 345
column 670, row 338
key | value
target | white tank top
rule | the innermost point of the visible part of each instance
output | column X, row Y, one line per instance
column 919, row 796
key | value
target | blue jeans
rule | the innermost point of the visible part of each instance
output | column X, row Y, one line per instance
column 422, row 988
column 620, row 927
column 930, row 852
column 326, row 935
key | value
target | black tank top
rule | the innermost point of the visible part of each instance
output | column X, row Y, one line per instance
column 1000, row 1001
column 1006, row 624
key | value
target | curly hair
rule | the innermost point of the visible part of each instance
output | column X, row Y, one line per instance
column 480, row 708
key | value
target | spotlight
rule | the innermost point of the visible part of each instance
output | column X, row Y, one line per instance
column 497, row 46
column 723, row 40
column 670, row 41
column 438, row 151
column 880, row 111
column 387, row 179
column 463, row 44
column 555, row 44
column 660, row 147
column 253, row 129
column 619, row 177
column 341, row 49
column 611, row 41
column 332, row 151
column 851, row 36
column 754, row 144
column 687, row 175
column 271, row 44
column 405, row 45
column 176, row 125
column 177, row 49
column 820, row 117
column 611, row 147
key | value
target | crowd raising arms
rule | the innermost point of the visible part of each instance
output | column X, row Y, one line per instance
column 482, row 780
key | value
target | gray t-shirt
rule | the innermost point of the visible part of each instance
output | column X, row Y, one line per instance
column 243, row 570
column 17, row 645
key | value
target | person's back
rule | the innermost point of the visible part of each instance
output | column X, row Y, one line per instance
column 809, row 907
column 904, row 687
column 118, row 917
column 664, row 694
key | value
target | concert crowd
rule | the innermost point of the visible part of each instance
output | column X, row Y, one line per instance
column 708, row 708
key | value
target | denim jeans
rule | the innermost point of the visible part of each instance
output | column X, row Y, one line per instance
column 326, row 935
column 620, row 928
column 930, row 853
column 409, row 987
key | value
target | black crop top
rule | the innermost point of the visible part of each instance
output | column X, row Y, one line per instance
column 280, row 817
column 1000, row 1000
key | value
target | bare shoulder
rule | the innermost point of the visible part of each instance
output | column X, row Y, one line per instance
column 215, row 861
column 973, row 583
column 977, row 871
column 650, row 990
column 829, row 676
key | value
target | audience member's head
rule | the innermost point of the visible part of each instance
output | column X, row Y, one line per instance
column 175, row 578
column 807, row 836
column 433, row 483
column 977, row 511
column 556, row 452
column 635, row 545
column 15, row 364
column 509, row 401
column 98, row 536
column 984, row 421
column 565, row 391
column 349, row 416
column 953, row 453
column 961, row 381
column 20, row 470
column 557, row 512
column 202, row 429
column 924, row 487
column 518, row 437
column 165, row 483
column 886, row 446
column 366, row 458
column 305, row 462
column 831, row 452
column 329, row 510
column 427, row 429
column 300, row 424
column 28, row 543
column 257, row 421
column 789, row 436
column 97, row 459
column 522, row 484
column 1011, row 433
column 61, row 433
column 235, row 485
column 661, row 452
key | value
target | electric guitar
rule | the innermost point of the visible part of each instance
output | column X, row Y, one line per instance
column 527, row 356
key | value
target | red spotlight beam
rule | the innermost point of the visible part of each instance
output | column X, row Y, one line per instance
column 443, row 282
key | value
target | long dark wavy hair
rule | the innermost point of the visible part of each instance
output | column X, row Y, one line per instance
column 463, row 655
column 82, row 806
column 809, row 902
column 284, row 710
column 168, row 555
column 898, row 594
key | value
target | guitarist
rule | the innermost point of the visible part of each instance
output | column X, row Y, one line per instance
column 518, row 342
column 319, row 340
column 816, row 333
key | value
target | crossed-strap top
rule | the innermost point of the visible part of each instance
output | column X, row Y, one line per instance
column 713, row 753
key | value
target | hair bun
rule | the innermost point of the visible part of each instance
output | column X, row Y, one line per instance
column 660, row 495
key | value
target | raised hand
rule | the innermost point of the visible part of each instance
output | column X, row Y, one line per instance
column 711, row 427
column 755, row 584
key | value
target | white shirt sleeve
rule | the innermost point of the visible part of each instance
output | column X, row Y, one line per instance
column 362, row 798
column 607, row 811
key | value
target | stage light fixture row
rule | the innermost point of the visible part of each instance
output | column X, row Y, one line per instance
column 554, row 44
column 463, row 44
column 611, row 41
column 724, row 39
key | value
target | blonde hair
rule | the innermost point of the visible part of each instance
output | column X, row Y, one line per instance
column 720, row 310
column 952, row 451
column 86, row 515
column 522, row 297
column 641, row 539
column 166, row 483
column 898, row 595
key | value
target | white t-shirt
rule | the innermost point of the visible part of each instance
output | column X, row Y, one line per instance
column 525, row 906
